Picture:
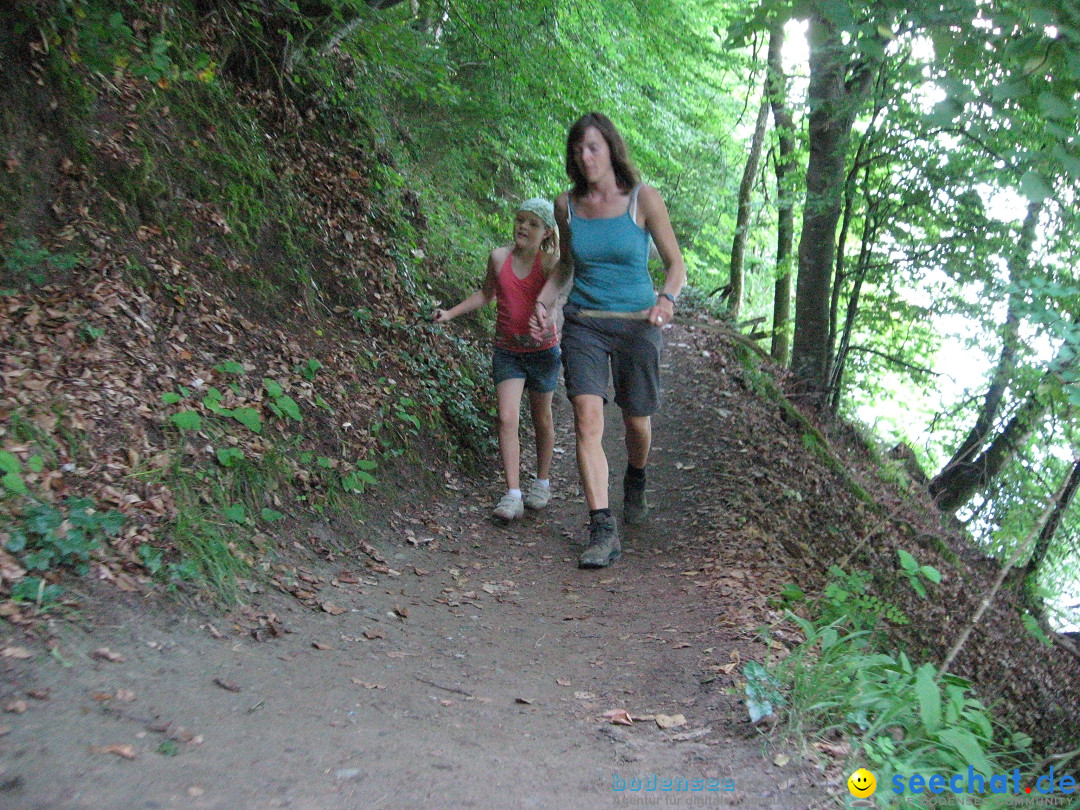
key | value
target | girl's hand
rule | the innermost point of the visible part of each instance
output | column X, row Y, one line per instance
column 441, row 316
column 539, row 321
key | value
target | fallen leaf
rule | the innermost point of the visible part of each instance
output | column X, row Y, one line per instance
column 105, row 654
column 332, row 609
column 619, row 716
column 126, row 695
column 446, row 702
column 224, row 684
column 583, row 696
column 125, row 751
column 15, row 706
column 526, row 701
column 367, row 685
column 38, row 694
column 213, row 631
column 101, row 697
column 318, row 645
column 780, row 760
column 402, row 612
column 15, row 652
column 670, row 720
column 563, row 681
column 373, row 634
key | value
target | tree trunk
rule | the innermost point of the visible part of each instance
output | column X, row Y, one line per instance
column 834, row 102
column 999, row 382
column 742, row 223
column 956, row 485
column 785, row 213
column 1060, row 506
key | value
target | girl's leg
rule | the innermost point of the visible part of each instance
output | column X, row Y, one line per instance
column 508, row 396
column 544, row 424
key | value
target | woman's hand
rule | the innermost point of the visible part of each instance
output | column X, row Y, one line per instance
column 441, row 316
column 662, row 312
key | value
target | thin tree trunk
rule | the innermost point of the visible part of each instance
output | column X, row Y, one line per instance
column 785, row 213
column 742, row 223
column 1021, row 549
column 1042, row 544
column 1006, row 364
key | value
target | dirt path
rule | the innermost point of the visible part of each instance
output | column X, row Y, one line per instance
column 476, row 673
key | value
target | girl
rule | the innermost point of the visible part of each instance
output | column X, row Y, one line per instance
column 515, row 275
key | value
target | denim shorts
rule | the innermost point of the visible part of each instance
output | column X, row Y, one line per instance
column 626, row 353
column 540, row 370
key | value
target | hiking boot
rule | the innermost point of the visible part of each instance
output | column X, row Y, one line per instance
column 635, row 507
column 509, row 508
column 604, row 546
column 538, row 495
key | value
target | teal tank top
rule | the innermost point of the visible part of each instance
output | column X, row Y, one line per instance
column 611, row 263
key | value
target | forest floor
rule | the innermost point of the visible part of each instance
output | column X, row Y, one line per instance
column 438, row 659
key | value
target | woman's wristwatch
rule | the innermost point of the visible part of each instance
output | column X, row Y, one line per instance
column 668, row 296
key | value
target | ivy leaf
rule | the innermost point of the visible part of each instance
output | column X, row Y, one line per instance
column 170, row 397
column 270, row 515
column 9, row 463
column 272, row 388
column 230, row 367
column 289, row 407
column 13, row 482
column 249, row 418
column 236, row 513
column 187, row 420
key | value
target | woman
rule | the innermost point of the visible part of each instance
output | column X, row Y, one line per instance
column 605, row 224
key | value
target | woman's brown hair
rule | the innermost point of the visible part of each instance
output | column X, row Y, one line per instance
column 626, row 174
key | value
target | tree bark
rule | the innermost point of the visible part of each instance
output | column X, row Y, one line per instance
column 742, row 222
column 785, row 206
column 956, row 485
column 834, row 101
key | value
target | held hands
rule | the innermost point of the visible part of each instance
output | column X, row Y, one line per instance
column 539, row 322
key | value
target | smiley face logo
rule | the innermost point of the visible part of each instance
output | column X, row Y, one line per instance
column 862, row 783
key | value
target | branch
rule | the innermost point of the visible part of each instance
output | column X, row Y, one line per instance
column 897, row 360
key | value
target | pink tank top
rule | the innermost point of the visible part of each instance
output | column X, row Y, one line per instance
column 515, row 300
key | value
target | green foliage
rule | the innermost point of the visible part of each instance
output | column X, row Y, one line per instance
column 27, row 262
column 914, row 573
column 847, row 597
column 899, row 718
column 47, row 537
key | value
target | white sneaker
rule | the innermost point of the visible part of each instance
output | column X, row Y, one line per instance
column 509, row 508
column 538, row 495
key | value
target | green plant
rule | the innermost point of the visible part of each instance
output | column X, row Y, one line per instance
column 846, row 597
column 912, row 571
column 307, row 370
column 47, row 537
column 26, row 260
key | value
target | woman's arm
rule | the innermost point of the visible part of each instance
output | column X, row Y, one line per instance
column 560, row 275
column 658, row 224
column 481, row 297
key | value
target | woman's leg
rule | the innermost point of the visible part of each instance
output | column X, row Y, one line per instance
column 508, row 396
column 544, row 424
column 592, row 462
column 638, row 439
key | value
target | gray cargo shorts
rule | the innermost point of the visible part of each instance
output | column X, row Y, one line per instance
column 629, row 349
